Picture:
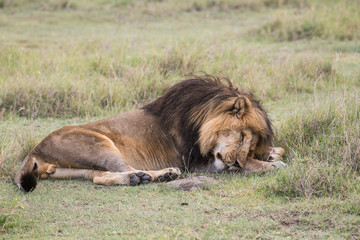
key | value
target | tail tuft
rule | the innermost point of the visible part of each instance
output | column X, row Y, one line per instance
column 28, row 182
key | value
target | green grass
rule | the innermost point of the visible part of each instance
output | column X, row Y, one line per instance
column 338, row 20
column 69, row 62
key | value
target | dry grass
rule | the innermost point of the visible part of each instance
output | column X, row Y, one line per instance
column 9, row 211
column 70, row 62
column 327, row 20
column 150, row 7
column 107, row 82
column 323, row 145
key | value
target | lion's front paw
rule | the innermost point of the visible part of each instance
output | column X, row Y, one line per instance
column 276, row 154
column 175, row 170
column 172, row 174
column 278, row 164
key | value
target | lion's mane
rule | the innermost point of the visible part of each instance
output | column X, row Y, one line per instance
column 184, row 108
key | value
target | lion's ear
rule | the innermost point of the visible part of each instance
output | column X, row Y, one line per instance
column 241, row 105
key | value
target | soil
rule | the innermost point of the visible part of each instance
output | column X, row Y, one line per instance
column 193, row 182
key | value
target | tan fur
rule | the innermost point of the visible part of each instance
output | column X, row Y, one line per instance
column 253, row 165
column 107, row 177
column 135, row 147
column 219, row 121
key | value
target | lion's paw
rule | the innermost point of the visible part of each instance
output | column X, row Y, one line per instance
column 172, row 174
column 175, row 170
column 278, row 164
column 139, row 178
column 276, row 154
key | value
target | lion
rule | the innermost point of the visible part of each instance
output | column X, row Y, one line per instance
column 202, row 124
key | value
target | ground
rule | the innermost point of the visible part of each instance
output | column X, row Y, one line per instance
column 70, row 62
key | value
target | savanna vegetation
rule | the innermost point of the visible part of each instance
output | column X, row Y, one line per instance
column 65, row 62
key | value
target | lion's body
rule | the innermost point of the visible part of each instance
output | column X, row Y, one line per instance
column 134, row 137
column 179, row 130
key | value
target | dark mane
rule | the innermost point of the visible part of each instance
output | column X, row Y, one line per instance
column 174, row 110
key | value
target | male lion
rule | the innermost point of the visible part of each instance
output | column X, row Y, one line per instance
column 200, row 124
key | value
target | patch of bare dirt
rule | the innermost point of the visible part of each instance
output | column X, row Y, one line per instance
column 193, row 182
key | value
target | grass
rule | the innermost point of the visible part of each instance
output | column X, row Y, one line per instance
column 337, row 21
column 324, row 149
column 70, row 62
column 8, row 213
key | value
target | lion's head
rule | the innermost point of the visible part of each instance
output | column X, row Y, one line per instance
column 208, row 117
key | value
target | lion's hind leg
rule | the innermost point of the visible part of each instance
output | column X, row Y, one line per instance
column 130, row 178
column 97, row 176
column 137, row 177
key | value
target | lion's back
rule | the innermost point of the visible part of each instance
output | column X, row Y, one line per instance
column 141, row 139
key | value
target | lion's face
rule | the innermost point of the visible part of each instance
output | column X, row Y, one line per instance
column 234, row 133
column 233, row 147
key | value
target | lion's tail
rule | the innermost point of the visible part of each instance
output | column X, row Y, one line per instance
column 28, row 182
column 26, row 176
